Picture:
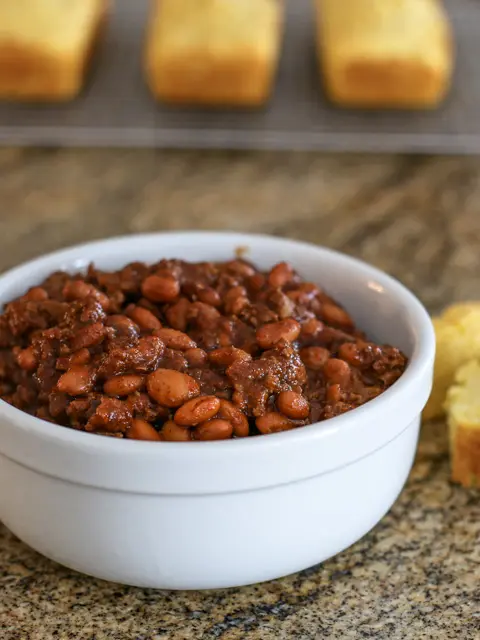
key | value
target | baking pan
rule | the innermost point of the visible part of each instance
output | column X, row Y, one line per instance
column 116, row 109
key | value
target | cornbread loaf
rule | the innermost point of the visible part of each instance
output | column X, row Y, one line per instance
column 384, row 53
column 45, row 47
column 463, row 410
column 457, row 333
column 213, row 52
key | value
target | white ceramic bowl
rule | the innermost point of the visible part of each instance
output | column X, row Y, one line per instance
column 219, row 514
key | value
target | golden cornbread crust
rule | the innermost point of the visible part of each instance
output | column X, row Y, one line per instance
column 32, row 72
column 193, row 54
column 384, row 53
column 239, row 82
column 465, row 456
column 406, row 84
column 463, row 411
column 457, row 333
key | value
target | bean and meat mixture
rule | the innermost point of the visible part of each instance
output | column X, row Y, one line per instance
column 181, row 351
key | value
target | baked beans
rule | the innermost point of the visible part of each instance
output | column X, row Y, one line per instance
column 181, row 352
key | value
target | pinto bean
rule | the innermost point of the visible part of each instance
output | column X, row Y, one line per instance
column 171, row 388
column 226, row 356
column 209, row 296
column 177, row 314
column 334, row 393
column 314, row 357
column 36, row 294
column 142, row 430
column 175, row 339
column 293, row 405
column 144, row 318
column 26, row 359
column 172, row 432
column 77, row 381
column 335, row 315
column 80, row 290
column 350, row 352
column 197, row 410
column 311, row 328
column 88, row 336
column 123, row 385
column 215, row 429
column 238, row 420
column 80, row 357
column 337, row 372
column 161, row 288
column 235, row 300
column 196, row 357
column 272, row 422
column 280, row 275
column 241, row 268
column 270, row 334
column 123, row 326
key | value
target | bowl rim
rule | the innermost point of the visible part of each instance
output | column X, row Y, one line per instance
column 418, row 368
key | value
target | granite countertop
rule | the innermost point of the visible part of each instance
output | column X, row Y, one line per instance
column 417, row 574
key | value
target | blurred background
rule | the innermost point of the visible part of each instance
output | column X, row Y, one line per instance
column 415, row 217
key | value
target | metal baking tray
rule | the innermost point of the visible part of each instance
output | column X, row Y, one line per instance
column 116, row 108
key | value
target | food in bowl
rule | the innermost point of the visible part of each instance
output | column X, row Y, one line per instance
column 181, row 351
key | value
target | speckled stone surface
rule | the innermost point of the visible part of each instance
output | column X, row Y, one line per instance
column 417, row 574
